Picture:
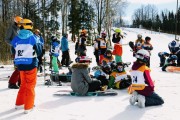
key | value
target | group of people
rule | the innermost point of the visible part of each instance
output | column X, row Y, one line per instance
column 111, row 73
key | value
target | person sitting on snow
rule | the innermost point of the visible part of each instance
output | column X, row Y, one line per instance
column 81, row 81
column 108, row 58
column 171, row 61
column 162, row 56
column 119, row 79
column 103, row 74
column 142, row 87
column 174, row 48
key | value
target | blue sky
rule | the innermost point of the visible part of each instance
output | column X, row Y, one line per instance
column 160, row 4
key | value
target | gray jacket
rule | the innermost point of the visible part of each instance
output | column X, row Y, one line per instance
column 80, row 78
column 11, row 33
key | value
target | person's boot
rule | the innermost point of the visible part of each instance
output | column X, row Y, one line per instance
column 141, row 101
column 133, row 98
column 13, row 86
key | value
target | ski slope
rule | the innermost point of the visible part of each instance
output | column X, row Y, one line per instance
column 49, row 107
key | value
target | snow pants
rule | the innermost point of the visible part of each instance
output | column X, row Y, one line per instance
column 26, row 93
column 118, row 58
column 153, row 100
column 55, row 67
column 15, row 77
column 94, row 86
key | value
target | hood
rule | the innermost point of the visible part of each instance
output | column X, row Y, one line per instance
column 137, row 65
column 24, row 34
column 80, row 65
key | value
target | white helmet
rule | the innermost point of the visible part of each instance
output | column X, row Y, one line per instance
column 143, row 55
column 139, row 36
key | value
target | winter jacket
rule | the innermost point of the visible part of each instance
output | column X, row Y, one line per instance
column 140, row 75
column 64, row 44
column 26, row 49
column 11, row 33
column 106, row 60
column 148, row 47
column 116, row 78
column 80, row 78
column 55, row 48
column 117, row 49
column 138, row 44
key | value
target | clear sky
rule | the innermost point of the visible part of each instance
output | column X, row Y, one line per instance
column 160, row 4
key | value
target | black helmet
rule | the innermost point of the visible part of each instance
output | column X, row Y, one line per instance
column 106, row 69
column 147, row 38
column 120, row 67
column 108, row 52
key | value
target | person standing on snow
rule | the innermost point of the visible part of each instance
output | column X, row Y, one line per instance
column 38, row 35
column 117, row 39
column 102, row 45
column 148, row 46
column 65, row 50
column 142, row 83
column 26, row 48
column 10, row 34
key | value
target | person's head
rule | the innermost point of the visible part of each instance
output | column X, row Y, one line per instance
column 147, row 39
column 108, row 54
column 26, row 24
column 103, row 34
column 173, row 43
column 17, row 20
column 65, row 35
column 37, row 31
column 53, row 38
column 106, row 68
column 120, row 67
column 142, row 56
column 139, row 36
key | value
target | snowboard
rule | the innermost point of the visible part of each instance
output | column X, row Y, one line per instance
column 97, row 93
column 173, row 69
column 131, row 45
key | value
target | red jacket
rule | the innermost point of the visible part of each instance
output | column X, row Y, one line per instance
column 117, row 49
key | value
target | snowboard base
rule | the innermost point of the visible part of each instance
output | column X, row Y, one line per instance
column 97, row 93
column 173, row 69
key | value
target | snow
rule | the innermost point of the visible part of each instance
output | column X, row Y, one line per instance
column 49, row 107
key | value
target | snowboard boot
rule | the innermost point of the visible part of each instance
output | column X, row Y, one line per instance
column 104, row 88
column 13, row 86
column 141, row 101
column 133, row 98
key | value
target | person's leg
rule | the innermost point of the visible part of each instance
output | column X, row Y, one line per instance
column 63, row 58
column 153, row 100
column 118, row 58
column 30, row 77
column 67, row 58
column 94, row 86
column 15, row 77
column 55, row 64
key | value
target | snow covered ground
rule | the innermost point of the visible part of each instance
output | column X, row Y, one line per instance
column 49, row 107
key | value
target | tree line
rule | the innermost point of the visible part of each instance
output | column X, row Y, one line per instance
column 51, row 15
column 148, row 17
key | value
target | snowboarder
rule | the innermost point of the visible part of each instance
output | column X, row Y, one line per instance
column 81, row 82
column 26, row 48
column 14, row 81
column 142, row 83
column 171, row 61
column 108, row 58
column 102, row 46
column 119, row 79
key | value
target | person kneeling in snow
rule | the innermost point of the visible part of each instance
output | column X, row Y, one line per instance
column 142, row 84
column 171, row 61
column 119, row 79
column 81, row 81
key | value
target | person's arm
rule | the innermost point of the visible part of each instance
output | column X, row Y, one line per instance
column 111, row 82
column 148, row 79
column 86, row 76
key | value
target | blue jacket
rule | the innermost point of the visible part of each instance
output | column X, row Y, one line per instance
column 26, row 47
column 55, row 48
column 64, row 44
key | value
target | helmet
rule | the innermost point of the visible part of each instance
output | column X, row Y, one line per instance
column 117, row 30
column 27, row 24
column 113, row 65
column 147, row 38
column 53, row 38
column 108, row 52
column 107, row 69
column 37, row 30
column 143, row 55
column 173, row 43
column 139, row 36
column 104, row 33
column 17, row 19
column 120, row 67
